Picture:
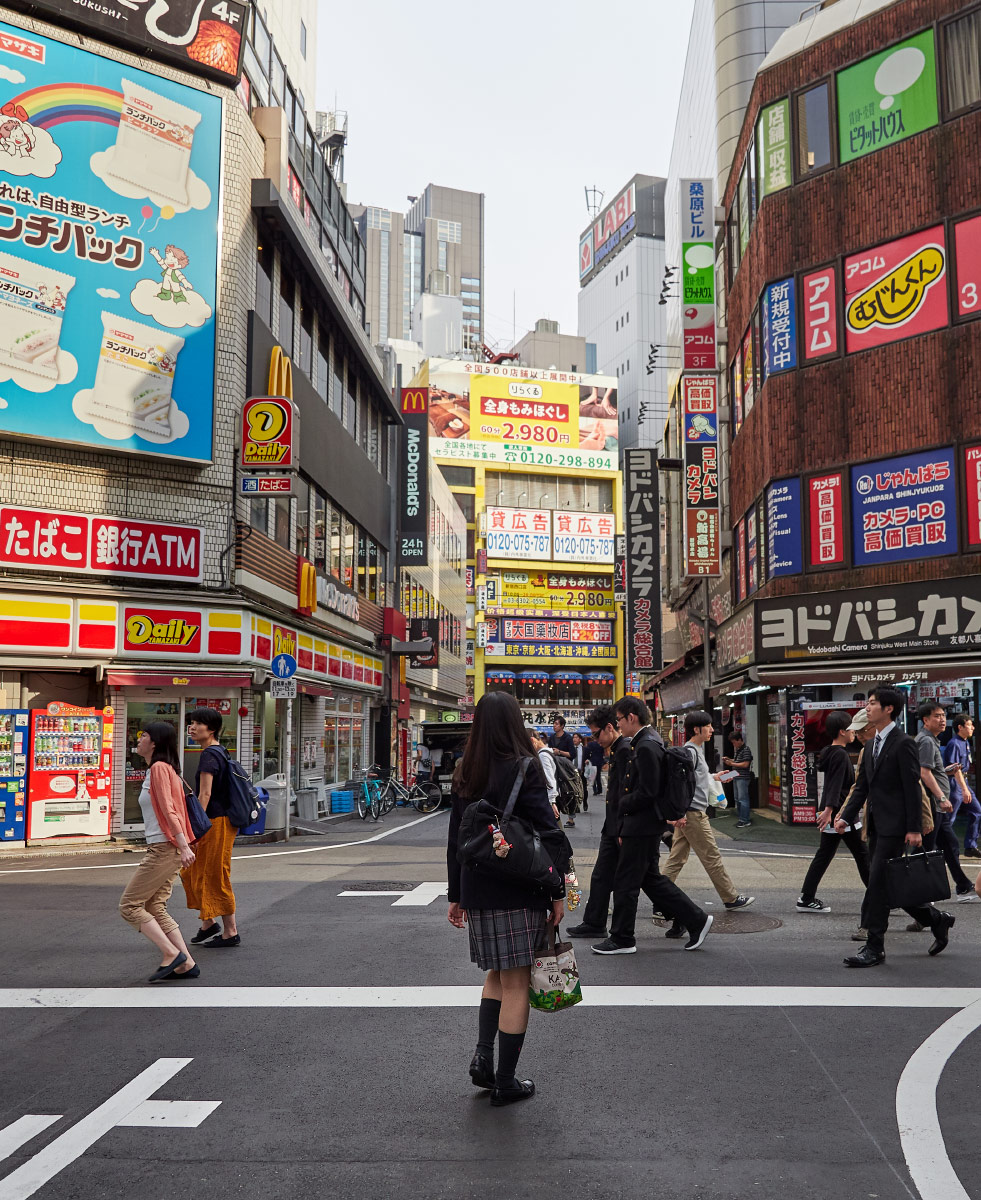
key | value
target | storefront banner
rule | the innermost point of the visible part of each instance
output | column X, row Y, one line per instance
column 703, row 548
column 735, row 642
column 779, row 327
column 205, row 37
column 742, row 578
column 419, row 628
column 699, row 395
column 269, row 434
column 108, row 271
column 412, row 543
column 773, row 148
column 785, row 550
column 641, row 501
column 887, row 97
column 698, row 275
column 904, row 508
column 752, row 560
column 471, row 654
column 896, row 290
column 557, row 651
column 513, row 629
column 51, row 540
column 819, row 305
column 749, row 372
column 583, row 537
column 826, row 520
column 519, row 532
column 544, row 593
column 935, row 616
column 967, row 250
column 801, row 771
column 972, row 494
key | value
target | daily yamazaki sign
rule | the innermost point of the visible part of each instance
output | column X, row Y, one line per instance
column 157, row 629
column 269, row 429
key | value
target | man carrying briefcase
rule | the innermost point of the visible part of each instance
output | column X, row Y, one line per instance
column 890, row 781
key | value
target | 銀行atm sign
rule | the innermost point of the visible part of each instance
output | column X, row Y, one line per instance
column 269, row 433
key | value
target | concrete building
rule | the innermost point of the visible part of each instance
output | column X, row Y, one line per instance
column 545, row 347
column 437, row 324
column 451, row 225
column 621, row 265
column 292, row 25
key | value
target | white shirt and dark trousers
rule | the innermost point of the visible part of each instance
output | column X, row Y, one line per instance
column 890, row 781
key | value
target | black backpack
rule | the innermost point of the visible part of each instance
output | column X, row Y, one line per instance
column 243, row 802
column 569, row 781
column 679, row 783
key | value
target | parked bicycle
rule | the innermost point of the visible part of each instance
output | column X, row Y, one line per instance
column 368, row 797
column 426, row 797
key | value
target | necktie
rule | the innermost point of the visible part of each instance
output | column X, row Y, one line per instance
column 876, row 748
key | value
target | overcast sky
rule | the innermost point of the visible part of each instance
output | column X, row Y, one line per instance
column 524, row 100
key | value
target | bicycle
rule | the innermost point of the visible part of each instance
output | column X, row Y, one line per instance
column 368, row 796
column 426, row 797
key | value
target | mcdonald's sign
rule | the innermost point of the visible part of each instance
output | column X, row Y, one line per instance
column 412, row 543
column 280, row 374
column 269, row 430
column 415, row 400
column 306, row 587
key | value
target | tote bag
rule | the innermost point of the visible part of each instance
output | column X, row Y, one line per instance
column 917, row 879
column 554, row 976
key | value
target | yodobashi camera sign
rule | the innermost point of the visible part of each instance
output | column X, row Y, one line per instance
column 412, row 547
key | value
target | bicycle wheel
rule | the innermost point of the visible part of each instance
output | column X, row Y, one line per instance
column 388, row 798
column 362, row 802
column 374, row 805
column 426, row 797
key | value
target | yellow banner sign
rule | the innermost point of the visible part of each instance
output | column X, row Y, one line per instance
column 552, row 591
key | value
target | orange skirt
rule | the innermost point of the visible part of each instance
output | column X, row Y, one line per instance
column 208, row 880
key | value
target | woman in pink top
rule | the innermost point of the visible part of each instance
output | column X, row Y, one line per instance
column 169, row 839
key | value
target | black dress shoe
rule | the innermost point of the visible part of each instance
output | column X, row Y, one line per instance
column 521, row 1089
column 223, row 943
column 865, row 958
column 482, row 1072
column 586, row 931
column 202, row 935
column 941, row 932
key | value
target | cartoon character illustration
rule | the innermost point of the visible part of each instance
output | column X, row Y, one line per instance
column 53, row 298
column 173, row 282
column 16, row 135
column 157, row 357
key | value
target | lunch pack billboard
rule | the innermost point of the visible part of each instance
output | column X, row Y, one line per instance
column 109, row 193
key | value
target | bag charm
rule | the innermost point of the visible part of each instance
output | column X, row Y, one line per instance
column 501, row 847
column 573, row 892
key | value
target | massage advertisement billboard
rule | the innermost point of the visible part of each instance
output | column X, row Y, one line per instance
column 109, row 194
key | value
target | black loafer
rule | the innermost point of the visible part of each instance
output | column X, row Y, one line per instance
column 941, row 933
column 222, row 943
column 202, row 935
column 194, row 972
column 865, row 958
column 165, row 970
column 482, row 1072
column 521, row 1089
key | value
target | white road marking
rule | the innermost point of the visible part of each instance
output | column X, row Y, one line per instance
column 73, row 1143
column 238, row 857
column 21, row 1131
column 170, row 1114
column 916, row 1108
column 468, row 995
column 419, row 896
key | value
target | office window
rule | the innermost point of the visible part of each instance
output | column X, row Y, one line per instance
column 336, row 566
column 286, row 299
column 372, row 571
column 281, row 521
column 264, row 260
column 337, row 398
column 302, row 518
column 351, row 402
column 962, row 62
column 323, row 362
column 813, row 115
column 259, row 515
column 305, row 357
column 441, row 256
column 347, row 551
column 361, row 540
column 303, row 40
column 458, row 476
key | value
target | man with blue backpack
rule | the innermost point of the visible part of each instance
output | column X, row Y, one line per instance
column 656, row 790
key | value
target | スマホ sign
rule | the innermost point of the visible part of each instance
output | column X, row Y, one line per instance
column 904, row 508
column 896, row 290
column 269, row 433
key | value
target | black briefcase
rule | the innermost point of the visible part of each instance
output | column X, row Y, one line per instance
column 917, row 879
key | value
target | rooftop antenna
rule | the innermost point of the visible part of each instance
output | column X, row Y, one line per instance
column 594, row 200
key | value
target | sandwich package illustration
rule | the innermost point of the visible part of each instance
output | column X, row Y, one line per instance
column 153, row 143
column 135, row 375
column 32, row 306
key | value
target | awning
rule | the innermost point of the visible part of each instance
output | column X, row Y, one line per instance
column 499, row 676
column 679, row 664
column 533, row 676
column 566, row 677
column 866, row 674
column 599, row 677
column 727, row 688
column 176, row 679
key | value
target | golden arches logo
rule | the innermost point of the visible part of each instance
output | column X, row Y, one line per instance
column 280, row 374
column 415, row 400
column 897, row 297
column 306, row 586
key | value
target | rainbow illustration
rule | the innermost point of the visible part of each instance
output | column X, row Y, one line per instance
column 56, row 103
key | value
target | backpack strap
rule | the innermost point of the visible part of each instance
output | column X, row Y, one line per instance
column 519, row 780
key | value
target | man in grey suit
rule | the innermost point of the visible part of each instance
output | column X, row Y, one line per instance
column 890, row 781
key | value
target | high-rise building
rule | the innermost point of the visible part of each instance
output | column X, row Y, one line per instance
column 621, row 264
column 551, row 350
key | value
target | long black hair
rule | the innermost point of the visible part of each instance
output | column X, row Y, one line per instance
column 164, row 738
column 498, row 734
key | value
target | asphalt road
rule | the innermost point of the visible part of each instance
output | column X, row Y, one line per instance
column 333, row 1045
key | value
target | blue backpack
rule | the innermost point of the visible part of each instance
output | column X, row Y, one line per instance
column 244, row 802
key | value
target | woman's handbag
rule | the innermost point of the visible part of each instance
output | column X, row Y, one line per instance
column 499, row 843
column 197, row 818
column 554, row 975
column 917, row 879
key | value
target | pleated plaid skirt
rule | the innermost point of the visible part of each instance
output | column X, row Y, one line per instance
column 501, row 938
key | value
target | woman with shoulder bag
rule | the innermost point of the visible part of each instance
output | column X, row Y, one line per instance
column 169, row 839
column 507, row 917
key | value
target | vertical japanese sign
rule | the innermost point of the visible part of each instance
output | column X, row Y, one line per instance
column 742, row 568
column 785, row 551
column 967, row 250
column 972, row 494
column 826, row 522
column 896, row 290
column 779, row 327
column 698, row 274
column 752, row 561
column 801, row 768
column 641, row 525
column 819, row 305
column 904, row 508
column 887, row 97
column 773, row 148
column 749, row 373
column 412, row 546
column 702, row 509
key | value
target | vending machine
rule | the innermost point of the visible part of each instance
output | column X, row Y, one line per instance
column 14, row 734
column 70, row 785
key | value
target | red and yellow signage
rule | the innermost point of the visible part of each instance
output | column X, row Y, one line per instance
column 896, row 290
column 156, row 629
column 269, row 428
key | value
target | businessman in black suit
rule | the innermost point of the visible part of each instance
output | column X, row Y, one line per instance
column 890, row 781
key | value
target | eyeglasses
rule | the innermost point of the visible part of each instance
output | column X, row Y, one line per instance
column 621, row 719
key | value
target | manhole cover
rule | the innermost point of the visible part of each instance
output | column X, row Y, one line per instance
column 738, row 922
column 380, row 885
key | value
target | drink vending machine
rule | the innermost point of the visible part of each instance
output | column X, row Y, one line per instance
column 70, row 785
column 14, row 734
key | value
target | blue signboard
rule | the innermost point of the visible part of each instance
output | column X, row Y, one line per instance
column 109, row 193
column 779, row 327
column 904, row 508
column 785, row 550
column 283, row 666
